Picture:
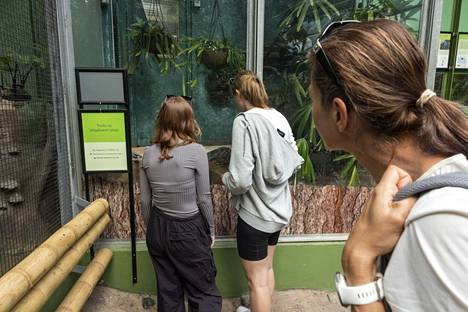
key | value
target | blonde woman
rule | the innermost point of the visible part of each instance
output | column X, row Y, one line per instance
column 177, row 208
column 263, row 158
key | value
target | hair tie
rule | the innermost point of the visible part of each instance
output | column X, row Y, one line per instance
column 424, row 98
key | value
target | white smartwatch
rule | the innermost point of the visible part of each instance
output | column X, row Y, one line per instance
column 358, row 295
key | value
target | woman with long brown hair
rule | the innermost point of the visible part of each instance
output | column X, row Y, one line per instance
column 177, row 208
column 370, row 99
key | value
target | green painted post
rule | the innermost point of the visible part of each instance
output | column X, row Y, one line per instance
column 453, row 48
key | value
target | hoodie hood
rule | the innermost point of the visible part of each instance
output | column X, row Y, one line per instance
column 279, row 159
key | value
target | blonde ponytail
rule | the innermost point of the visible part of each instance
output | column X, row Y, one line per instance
column 251, row 88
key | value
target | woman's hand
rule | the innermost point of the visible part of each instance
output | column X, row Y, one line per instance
column 378, row 229
column 212, row 241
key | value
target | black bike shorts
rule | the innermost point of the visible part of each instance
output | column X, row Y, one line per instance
column 252, row 244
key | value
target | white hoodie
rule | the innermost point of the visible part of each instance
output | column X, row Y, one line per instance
column 262, row 161
column 428, row 270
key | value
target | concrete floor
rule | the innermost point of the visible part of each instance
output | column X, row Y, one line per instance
column 105, row 299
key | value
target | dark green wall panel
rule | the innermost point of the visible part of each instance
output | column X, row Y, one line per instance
column 87, row 33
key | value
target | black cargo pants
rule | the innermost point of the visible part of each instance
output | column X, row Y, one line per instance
column 183, row 261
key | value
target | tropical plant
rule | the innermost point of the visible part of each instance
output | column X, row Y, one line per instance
column 307, row 171
column 17, row 68
column 215, row 53
column 300, row 12
column 298, row 29
column 222, row 59
column 400, row 10
column 151, row 40
column 350, row 170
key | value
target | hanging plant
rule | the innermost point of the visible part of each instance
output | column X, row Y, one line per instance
column 215, row 54
column 220, row 56
column 214, row 57
column 152, row 40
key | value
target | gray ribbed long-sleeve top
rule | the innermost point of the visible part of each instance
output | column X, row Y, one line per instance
column 179, row 186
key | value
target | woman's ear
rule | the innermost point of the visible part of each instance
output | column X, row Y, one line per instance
column 341, row 114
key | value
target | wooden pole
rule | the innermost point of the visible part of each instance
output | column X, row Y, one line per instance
column 19, row 280
column 80, row 292
column 41, row 292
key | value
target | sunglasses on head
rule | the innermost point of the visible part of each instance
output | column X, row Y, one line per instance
column 185, row 97
column 232, row 86
column 320, row 53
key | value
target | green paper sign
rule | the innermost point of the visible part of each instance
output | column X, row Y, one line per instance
column 104, row 141
column 444, row 50
column 462, row 53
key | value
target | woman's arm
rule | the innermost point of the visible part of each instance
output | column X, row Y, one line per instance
column 202, row 182
column 145, row 194
column 376, row 232
column 239, row 178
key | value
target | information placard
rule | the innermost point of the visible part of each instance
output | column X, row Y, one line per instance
column 444, row 50
column 462, row 53
column 103, row 139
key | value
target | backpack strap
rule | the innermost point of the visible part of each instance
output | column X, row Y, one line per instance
column 417, row 188
column 455, row 179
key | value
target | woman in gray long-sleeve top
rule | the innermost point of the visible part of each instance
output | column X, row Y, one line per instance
column 177, row 209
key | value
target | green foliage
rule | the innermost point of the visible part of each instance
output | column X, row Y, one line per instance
column 235, row 57
column 18, row 65
column 220, row 56
column 350, row 170
column 399, row 10
column 303, row 8
column 307, row 171
column 300, row 26
column 151, row 40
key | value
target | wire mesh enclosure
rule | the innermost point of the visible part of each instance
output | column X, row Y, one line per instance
column 33, row 176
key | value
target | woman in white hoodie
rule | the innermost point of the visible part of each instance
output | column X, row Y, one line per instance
column 263, row 158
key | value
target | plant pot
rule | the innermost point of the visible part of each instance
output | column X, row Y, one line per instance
column 14, row 93
column 214, row 59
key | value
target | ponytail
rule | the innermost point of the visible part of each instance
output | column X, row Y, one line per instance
column 443, row 128
column 251, row 88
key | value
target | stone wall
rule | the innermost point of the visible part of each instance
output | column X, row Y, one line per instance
column 317, row 209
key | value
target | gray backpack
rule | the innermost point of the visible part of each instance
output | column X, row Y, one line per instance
column 418, row 188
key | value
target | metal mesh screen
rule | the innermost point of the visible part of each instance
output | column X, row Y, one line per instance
column 33, row 163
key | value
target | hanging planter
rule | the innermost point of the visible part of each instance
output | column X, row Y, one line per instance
column 214, row 59
column 151, row 38
column 214, row 53
column 14, row 93
column 15, row 69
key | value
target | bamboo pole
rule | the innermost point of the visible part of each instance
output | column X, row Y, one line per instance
column 19, row 280
column 80, row 292
column 41, row 292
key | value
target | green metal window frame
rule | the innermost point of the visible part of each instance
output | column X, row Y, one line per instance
column 451, row 71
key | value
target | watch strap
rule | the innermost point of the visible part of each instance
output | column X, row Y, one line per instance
column 363, row 294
